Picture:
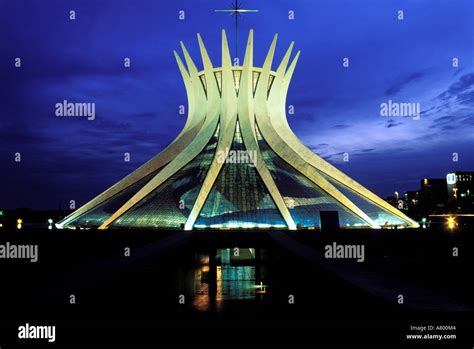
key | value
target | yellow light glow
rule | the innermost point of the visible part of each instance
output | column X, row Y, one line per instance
column 19, row 221
column 451, row 222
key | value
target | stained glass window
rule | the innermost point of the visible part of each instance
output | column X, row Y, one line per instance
column 239, row 198
column 303, row 198
column 170, row 204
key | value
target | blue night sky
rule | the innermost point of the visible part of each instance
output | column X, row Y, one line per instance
column 337, row 109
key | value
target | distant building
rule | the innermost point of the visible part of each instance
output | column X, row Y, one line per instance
column 460, row 188
column 392, row 200
column 453, row 194
column 433, row 196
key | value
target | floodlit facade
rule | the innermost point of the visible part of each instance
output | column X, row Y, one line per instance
column 236, row 163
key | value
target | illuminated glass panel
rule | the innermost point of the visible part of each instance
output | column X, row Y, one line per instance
column 255, row 75
column 96, row 216
column 237, row 74
column 203, row 81
column 270, row 82
column 303, row 198
column 218, row 75
column 239, row 198
column 376, row 213
column 161, row 208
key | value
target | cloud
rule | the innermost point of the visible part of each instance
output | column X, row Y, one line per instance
column 469, row 120
column 466, row 98
column 400, row 83
column 455, row 102
column 458, row 71
column 318, row 147
column 460, row 87
column 17, row 137
column 444, row 119
column 391, row 123
column 341, row 127
column 449, row 128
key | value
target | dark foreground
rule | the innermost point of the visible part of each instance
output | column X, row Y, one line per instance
column 244, row 287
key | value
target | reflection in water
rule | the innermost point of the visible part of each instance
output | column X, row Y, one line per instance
column 227, row 274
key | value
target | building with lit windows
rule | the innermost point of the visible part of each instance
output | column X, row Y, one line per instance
column 236, row 164
column 460, row 192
